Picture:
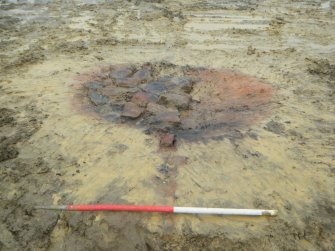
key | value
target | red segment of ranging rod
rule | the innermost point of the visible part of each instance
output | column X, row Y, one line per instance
column 133, row 208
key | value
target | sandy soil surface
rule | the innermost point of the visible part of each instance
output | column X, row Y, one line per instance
column 54, row 152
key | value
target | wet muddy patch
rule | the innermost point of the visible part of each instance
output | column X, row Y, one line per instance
column 13, row 132
column 177, row 102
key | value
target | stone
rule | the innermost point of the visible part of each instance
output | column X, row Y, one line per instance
column 97, row 98
column 143, row 75
column 182, row 83
column 132, row 111
column 196, row 97
column 182, row 102
column 155, row 87
column 103, row 75
column 156, row 109
column 167, row 118
column 192, row 103
column 187, row 123
column 126, row 82
column 167, row 140
column 165, row 79
column 141, row 99
column 163, row 116
column 121, row 72
column 119, row 93
column 110, row 112
column 94, row 85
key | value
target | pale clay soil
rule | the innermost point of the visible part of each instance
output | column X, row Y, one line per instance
column 55, row 151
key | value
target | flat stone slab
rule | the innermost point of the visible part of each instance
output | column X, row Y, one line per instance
column 181, row 102
column 132, row 111
column 167, row 140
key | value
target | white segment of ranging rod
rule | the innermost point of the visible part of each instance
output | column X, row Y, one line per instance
column 223, row 211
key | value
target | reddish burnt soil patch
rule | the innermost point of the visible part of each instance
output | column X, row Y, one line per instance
column 182, row 102
column 227, row 101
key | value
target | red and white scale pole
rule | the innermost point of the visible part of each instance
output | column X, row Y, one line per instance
column 163, row 209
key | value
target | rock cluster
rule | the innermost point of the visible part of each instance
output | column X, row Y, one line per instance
column 178, row 102
column 131, row 93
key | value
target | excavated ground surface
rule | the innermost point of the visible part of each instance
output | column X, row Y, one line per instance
column 253, row 125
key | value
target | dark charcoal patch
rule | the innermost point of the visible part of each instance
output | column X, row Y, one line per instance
column 164, row 169
column 275, row 127
column 189, row 103
column 322, row 67
column 7, row 144
column 8, row 152
column 325, row 71
column 6, row 116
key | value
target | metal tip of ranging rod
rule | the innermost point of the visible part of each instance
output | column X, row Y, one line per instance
column 61, row 207
column 270, row 212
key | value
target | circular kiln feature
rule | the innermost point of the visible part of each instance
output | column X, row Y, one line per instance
column 178, row 102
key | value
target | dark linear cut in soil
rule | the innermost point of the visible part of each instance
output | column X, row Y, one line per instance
column 178, row 102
